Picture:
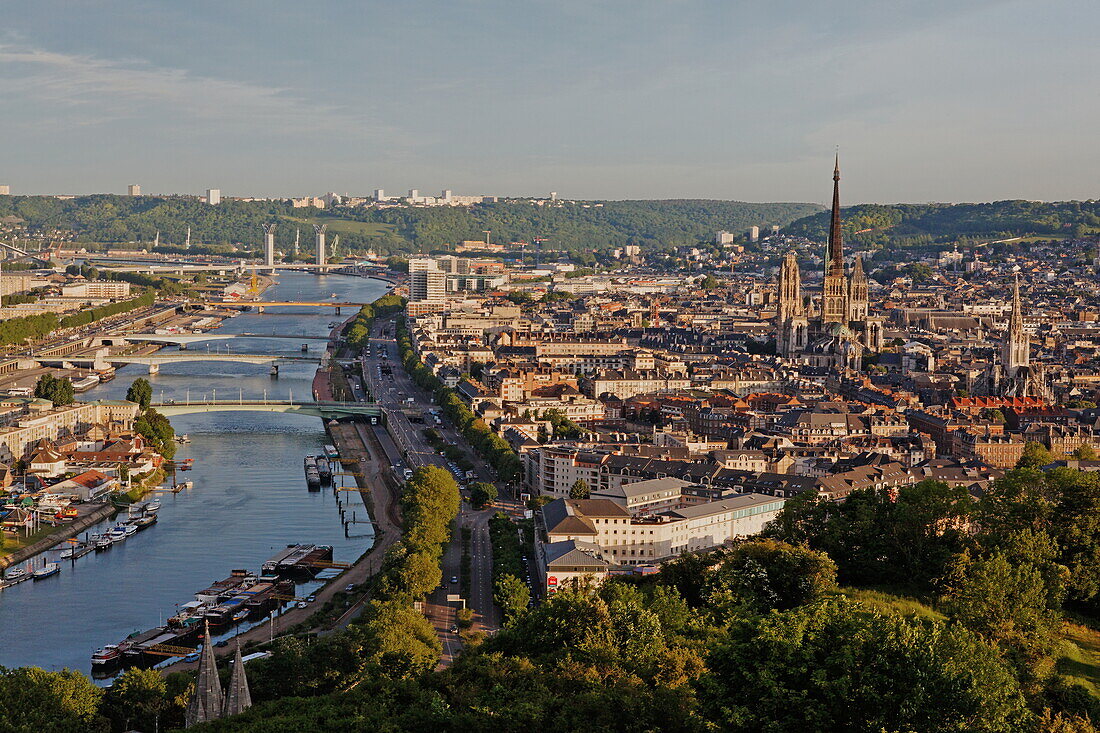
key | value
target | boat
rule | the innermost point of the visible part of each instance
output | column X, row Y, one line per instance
column 74, row 551
column 188, row 614
column 83, row 384
column 305, row 347
column 325, row 472
column 130, row 530
column 223, row 589
column 118, row 533
column 109, row 654
column 17, row 575
column 187, row 485
column 144, row 522
column 240, row 615
column 103, row 542
column 183, row 438
column 153, row 506
column 47, row 570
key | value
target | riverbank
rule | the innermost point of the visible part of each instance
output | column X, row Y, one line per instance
column 56, row 538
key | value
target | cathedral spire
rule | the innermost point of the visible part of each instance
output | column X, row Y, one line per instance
column 237, row 697
column 836, row 244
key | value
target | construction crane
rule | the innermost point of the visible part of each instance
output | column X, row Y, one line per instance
column 538, row 249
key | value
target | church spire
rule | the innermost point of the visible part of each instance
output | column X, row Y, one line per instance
column 207, row 700
column 237, row 697
column 834, row 298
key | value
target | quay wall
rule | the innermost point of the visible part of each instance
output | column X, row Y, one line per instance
column 55, row 538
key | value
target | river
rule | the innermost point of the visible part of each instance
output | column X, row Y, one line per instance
column 250, row 497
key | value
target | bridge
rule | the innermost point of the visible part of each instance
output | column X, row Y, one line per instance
column 154, row 361
column 183, row 339
column 261, row 305
column 325, row 410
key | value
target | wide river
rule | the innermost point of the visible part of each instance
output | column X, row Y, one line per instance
column 249, row 501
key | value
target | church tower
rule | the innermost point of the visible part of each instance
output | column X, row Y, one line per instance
column 1017, row 347
column 835, row 291
column 207, row 699
column 792, row 326
column 857, row 293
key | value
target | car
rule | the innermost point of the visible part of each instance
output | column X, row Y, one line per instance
column 454, row 578
column 313, row 596
column 454, row 629
column 190, row 658
column 222, row 643
column 302, row 604
column 350, row 588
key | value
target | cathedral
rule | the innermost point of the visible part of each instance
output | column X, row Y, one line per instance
column 839, row 333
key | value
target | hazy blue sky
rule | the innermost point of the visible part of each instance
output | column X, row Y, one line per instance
column 945, row 100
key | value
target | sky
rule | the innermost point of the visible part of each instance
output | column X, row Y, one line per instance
column 927, row 100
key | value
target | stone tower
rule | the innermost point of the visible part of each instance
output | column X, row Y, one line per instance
column 792, row 326
column 857, row 293
column 237, row 697
column 1017, row 348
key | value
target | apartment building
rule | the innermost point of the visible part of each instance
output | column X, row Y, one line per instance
column 588, row 538
column 18, row 438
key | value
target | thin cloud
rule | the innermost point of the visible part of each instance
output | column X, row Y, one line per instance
column 102, row 90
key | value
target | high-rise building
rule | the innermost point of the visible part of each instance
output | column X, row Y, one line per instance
column 447, row 196
column 133, row 190
column 269, row 244
column 379, row 194
column 213, row 196
column 5, row 190
column 320, row 251
column 723, row 237
column 754, row 234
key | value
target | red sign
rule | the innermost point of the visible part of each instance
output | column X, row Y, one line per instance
column 551, row 580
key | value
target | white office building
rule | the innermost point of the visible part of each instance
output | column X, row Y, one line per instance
column 213, row 196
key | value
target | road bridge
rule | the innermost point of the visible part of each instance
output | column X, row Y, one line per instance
column 183, row 339
column 327, row 410
column 154, row 361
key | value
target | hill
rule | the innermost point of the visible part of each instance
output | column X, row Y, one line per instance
column 572, row 226
column 877, row 225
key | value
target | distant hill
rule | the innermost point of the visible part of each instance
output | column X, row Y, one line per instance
column 574, row 226
column 876, row 225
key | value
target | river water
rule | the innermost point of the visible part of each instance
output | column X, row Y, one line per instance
column 249, row 501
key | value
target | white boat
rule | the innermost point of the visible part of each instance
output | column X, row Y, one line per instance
column 130, row 530
column 67, row 553
column 153, row 506
column 103, row 541
column 50, row 568
column 16, row 574
column 118, row 533
column 187, row 485
column 183, row 438
column 106, row 655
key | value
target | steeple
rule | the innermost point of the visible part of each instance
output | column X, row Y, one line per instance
column 857, row 292
column 237, row 697
column 836, row 244
column 207, row 699
column 834, row 301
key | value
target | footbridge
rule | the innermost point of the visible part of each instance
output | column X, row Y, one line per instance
column 326, row 410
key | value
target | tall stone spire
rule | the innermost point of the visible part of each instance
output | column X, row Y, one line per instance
column 237, row 697
column 1017, row 347
column 834, row 301
column 836, row 243
column 207, row 700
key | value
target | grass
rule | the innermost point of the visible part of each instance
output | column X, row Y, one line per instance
column 1080, row 656
column 344, row 226
column 14, row 543
column 882, row 602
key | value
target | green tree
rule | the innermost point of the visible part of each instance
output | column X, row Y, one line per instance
column 512, row 595
column 762, row 575
column 157, row 431
column 1084, row 452
column 579, row 489
column 852, row 670
column 482, row 494
column 1035, row 455
column 33, row 700
column 141, row 392
column 137, row 700
column 59, row 391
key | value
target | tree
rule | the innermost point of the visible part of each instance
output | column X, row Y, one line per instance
column 1084, row 452
column 762, row 575
column 157, row 431
column 1035, row 455
column 512, row 595
column 140, row 392
column 853, row 670
column 58, row 391
column 579, row 489
column 137, row 700
column 33, row 700
column 482, row 494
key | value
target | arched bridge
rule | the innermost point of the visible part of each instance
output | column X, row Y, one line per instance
column 327, row 410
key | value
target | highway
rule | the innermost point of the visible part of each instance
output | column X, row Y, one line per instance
column 410, row 449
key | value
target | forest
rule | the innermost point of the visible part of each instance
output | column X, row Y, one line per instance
column 878, row 225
